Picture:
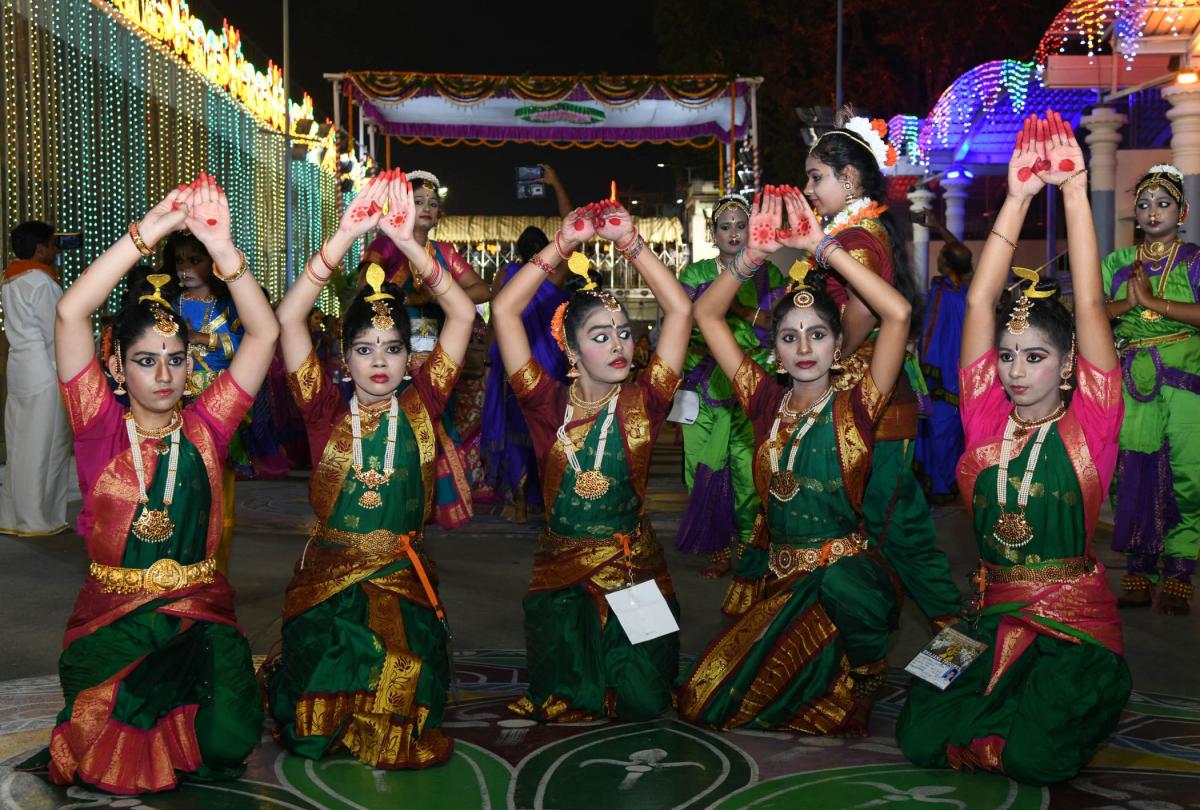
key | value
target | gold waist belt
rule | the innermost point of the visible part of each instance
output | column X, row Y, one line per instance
column 552, row 541
column 787, row 560
column 1163, row 340
column 162, row 576
column 1051, row 572
column 380, row 541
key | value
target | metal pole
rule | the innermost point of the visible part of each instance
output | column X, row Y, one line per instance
column 289, row 271
column 839, row 55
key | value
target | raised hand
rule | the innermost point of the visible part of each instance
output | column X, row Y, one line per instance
column 612, row 222
column 578, row 227
column 365, row 211
column 1061, row 155
column 766, row 217
column 803, row 231
column 401, row 214
column 208, row 215
column 1027, row 161
column 166, row 217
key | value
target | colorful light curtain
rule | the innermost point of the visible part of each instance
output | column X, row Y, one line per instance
column 100, row 121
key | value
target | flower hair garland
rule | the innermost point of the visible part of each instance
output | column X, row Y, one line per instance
column 556, row 326
column 871, row 135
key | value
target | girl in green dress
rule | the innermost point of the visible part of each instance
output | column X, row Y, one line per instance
column 363, row 665
column 1052, row 682
column 808, row 652
column 593, row 440
column 156, row 673
column 1153, row 289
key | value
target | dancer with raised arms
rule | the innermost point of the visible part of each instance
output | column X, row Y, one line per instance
column 1052, row 682
column 593, row 440
column 157, row 676
column 364, row 664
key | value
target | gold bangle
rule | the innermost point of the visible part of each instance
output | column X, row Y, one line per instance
column 241, row 271
column 212, row 341
column 1078, row 172
column 1004, row 239
column 136, row 236
column 1167, row 311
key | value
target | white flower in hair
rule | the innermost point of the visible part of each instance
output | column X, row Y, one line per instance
column 873, row 133
column 1166, row 168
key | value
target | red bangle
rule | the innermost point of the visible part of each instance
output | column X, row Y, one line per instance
column 543, row 264
column 633, row 236
column 558, row 246
column 324, row 261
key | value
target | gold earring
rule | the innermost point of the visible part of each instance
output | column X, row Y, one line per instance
column 837, row 360
column 1065, row 385
column 119, row 376
column 572, row 372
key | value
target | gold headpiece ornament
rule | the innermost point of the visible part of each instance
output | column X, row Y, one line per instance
column 799, row 272
column 1164, row 176
column 424, row 179
column 382, row 319
column 1018, row 318
column 730, row 201
column 164, row 324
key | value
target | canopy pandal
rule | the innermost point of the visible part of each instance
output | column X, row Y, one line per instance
column 508, row 229
column 449, row 109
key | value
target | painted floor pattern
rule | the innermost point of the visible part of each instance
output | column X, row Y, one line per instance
column 1152, row 762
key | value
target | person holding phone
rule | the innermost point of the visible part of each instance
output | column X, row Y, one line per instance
column 33, row 500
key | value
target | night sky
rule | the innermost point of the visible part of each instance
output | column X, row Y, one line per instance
column 436, row 37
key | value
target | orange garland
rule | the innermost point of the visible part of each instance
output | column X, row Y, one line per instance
column 557, row 330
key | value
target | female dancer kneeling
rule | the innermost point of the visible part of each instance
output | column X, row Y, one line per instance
column 156, row 673
column 1034, row 475
column 808, row 652
column 593, row 440
column 364, row 664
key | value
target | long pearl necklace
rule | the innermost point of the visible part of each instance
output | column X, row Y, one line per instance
column 589, row 484
column 372, row 479
column 1011, row 529
column 783, row 482
column 154, row 525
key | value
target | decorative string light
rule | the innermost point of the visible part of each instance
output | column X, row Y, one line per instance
column 102, row 118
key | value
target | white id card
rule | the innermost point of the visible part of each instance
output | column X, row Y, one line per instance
column 643, row 612
column 685, row 408
column 945, row 657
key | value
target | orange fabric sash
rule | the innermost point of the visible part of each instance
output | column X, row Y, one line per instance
column 19, row 267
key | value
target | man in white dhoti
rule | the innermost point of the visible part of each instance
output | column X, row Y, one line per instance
column 33, row 493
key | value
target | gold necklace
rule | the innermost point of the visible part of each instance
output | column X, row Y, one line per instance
column 783, row 481
column 157, row 433
column 1026, row 425
column 1155, row 250
column 590, row 405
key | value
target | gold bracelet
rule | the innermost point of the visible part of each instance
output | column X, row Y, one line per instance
column 136, row 236
column 241, row 271
column 1004, row 238
column 212, row 341
column 1167, row 311
column 1078, row 172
